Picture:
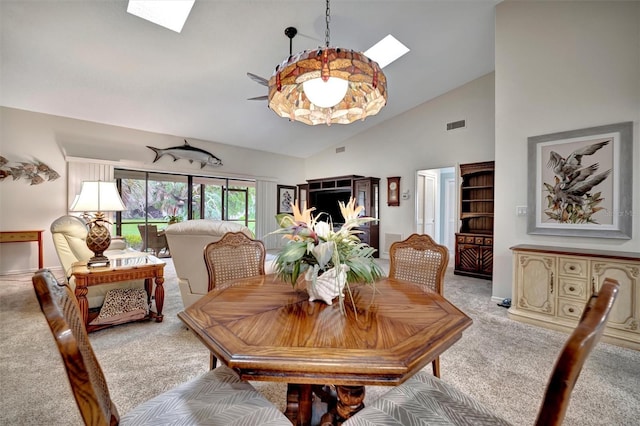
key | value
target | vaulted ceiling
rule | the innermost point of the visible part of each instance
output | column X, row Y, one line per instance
column 91, row 60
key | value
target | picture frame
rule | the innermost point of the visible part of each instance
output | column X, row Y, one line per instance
column 580, row 182
column 286, row 197
column 393, row 191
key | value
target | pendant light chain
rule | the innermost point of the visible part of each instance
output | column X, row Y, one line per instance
column 327, row 19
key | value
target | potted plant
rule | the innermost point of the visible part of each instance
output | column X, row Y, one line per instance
column 173, row 216
column 329, row 259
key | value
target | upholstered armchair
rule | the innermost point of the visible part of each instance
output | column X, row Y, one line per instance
column 69, row 235
column 187, row 241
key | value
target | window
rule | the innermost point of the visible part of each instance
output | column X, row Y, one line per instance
column 155, row 198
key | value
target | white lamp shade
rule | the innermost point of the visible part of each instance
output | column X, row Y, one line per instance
column 325, row 94
column 98, row 196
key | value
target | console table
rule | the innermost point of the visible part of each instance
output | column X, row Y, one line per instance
column 24, row 237
column 551, row 286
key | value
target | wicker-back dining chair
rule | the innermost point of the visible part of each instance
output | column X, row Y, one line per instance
column 217, row 397
column 420, row 260
column 425, row 399
column 233, row 256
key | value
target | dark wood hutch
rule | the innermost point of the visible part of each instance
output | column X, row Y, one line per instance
column 324, row 194
column 474, row 242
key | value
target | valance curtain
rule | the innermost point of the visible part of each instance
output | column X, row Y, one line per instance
column 79, row 171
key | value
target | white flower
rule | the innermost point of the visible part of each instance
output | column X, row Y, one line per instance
column 323, row 253
column 323, row 230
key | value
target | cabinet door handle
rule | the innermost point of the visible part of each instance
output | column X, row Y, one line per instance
column 593, row 285
column 551, row 283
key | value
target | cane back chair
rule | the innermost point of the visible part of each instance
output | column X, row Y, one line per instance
column 218, row 397
column 420, row 260
column 232, row 257
column 425, row 399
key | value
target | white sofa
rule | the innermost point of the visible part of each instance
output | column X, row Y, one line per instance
column 187, row 241
column 69, row 234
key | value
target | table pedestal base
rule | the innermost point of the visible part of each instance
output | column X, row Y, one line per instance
column 341, row 404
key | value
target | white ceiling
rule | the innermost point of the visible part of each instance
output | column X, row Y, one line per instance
column 91, row 60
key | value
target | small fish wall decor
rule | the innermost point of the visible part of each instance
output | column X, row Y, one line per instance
column 35, row 173
column 187, row 152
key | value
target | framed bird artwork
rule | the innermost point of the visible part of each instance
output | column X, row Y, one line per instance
column 580, row 182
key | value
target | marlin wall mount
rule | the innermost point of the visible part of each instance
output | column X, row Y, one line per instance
column 187, row 152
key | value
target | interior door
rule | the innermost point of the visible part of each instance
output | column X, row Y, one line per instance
column 429, row 205
column 436, row 201
column 450, row 214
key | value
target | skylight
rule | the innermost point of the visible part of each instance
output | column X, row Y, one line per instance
column 171, row 14
column 386, row 51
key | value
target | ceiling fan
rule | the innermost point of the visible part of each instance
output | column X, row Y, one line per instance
column 289, row 32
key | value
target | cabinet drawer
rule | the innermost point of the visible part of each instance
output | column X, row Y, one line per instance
column 461, row 238
column 574, row 288
column 488, row 241
column 479, row 240
column 470, row 240
column 570, row 309
column 572, row 267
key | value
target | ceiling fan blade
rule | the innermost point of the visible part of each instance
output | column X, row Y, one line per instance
column 258, row 79
column 259, row 98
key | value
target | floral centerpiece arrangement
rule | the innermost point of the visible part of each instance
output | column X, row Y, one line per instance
column 328, row 258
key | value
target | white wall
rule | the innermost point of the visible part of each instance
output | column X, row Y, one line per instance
column 416, row 140
column 559, row 66
column 27, row 136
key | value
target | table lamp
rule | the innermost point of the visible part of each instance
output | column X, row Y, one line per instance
column 98, row 197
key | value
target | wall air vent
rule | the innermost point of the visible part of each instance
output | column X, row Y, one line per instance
column 390, row 239
column 339, row 149
column 457, row 125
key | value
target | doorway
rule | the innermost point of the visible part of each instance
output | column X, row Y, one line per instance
column 436, row 201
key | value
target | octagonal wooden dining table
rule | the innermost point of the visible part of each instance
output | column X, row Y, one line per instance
column 265, row 329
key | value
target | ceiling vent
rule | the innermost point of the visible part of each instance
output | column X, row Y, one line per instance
column 339, row 149
column 457, row 125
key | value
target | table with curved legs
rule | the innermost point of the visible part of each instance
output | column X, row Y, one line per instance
column 146, row 267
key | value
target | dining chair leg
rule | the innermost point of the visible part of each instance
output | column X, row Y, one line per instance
column 436, row 367
column 213, row 361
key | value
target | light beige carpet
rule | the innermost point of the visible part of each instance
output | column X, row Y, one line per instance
column 502, row 363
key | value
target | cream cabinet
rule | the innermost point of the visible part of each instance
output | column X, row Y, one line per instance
column 551, row 286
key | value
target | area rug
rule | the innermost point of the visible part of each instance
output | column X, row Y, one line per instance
column 502, row 363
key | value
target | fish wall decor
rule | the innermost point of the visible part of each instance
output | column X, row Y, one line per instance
column 35, row 172
column 187, row 152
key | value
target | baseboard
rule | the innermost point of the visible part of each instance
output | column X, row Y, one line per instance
column 497, row 299
column 55, row 269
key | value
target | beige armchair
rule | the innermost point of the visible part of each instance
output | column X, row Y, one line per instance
column 187, row 241
column 69, row 234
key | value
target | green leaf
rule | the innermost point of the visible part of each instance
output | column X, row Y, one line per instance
column 284, row 220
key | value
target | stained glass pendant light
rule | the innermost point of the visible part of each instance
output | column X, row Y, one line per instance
column 327, row 85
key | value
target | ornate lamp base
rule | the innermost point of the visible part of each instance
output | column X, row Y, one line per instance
column 96, row 261
column 98, row 240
